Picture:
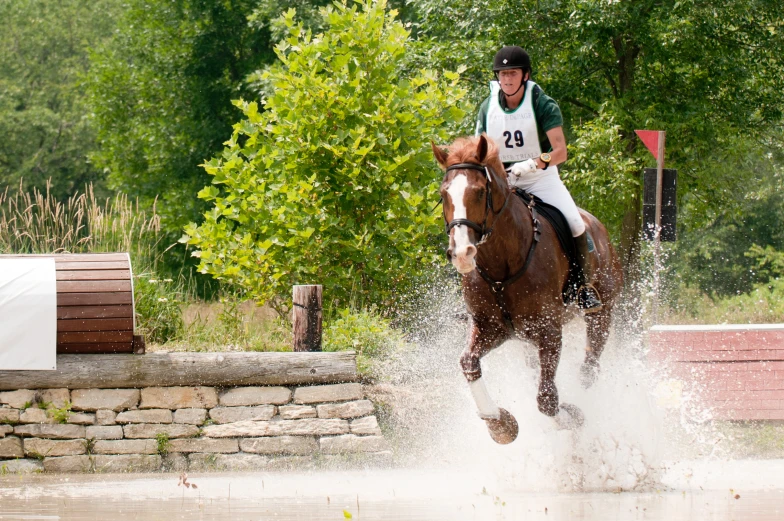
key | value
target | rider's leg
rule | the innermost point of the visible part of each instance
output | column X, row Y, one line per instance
column 550, row 189
column 587, row 297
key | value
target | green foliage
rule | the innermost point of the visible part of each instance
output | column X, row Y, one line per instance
column 162, row 444
column 89, row 446
column 36, row 455
column 367, row 333
column 43, row 115
column 753, row 440
column 601, row 173
column 740, row 247
column 334, row 182
column 161, row 91
column 764, row 304
column 269, row 14
column 59, row 414
column 709, row 74
column 158, row 308
column 769, row 261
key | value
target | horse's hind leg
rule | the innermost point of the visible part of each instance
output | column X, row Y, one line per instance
column 598, row 325
column 567, row 415
column 549, row 345
column 501, row 424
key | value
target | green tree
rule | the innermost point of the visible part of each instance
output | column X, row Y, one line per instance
column 161, row 93
column 742, row 245
column 709, row 74
column 334, row 182
column 44, row 49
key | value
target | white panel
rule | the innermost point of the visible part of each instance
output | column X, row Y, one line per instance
column 28, row 314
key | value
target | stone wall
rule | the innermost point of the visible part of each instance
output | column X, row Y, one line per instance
column 187, row 428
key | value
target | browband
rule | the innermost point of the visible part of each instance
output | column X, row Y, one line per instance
column 472, row 166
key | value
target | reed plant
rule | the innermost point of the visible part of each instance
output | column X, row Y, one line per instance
column 36, row 222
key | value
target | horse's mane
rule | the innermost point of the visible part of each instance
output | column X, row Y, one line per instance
column 464, row 150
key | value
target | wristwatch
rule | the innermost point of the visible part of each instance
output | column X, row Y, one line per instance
column 545, row 158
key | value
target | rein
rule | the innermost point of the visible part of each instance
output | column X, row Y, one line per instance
column 497, row 287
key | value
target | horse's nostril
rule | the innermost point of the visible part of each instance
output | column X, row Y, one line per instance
column 449, row 254
column 471, row 251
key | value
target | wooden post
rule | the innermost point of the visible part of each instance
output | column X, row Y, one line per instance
column 657, row 232
column 307, row 318
column 139, row 345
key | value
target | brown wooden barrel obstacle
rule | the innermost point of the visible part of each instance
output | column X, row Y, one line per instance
column 95, row 304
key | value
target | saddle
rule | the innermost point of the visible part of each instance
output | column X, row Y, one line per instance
column 564, row 234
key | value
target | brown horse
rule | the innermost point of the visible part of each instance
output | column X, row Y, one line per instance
column 514, row 272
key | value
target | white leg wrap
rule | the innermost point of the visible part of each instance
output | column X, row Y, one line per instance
column 484, row 404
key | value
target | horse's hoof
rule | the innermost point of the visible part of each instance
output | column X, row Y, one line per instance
column 569, row 417
column 589, row 373
column 503, row 430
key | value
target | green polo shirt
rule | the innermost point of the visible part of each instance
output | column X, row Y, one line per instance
column 548, row 115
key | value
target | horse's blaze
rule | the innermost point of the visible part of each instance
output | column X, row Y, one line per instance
column 503, row 430
column 463, row 251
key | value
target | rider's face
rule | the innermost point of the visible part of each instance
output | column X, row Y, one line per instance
column 510, row 80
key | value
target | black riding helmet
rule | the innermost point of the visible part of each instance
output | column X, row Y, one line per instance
column 511, row 57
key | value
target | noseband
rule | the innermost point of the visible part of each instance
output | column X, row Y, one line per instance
column 481, row 229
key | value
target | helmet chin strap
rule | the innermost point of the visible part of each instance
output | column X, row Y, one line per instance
column 515, row 92
column 522, row 84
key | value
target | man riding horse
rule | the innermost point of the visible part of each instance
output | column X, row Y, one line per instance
column 516, row 268
column 527, row 127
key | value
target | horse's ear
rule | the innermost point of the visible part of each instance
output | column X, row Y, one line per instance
column 440, row 154
column 481, row 149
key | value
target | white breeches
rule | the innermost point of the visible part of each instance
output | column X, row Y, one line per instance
column 547, row 186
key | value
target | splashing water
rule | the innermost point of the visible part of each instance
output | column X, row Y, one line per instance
column 631, row 432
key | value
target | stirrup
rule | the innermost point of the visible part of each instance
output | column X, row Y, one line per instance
column 588, row 299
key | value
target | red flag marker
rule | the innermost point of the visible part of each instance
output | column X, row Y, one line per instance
column 650, row 139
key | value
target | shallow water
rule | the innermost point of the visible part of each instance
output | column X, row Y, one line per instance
column 658, row 447
column 697, row 491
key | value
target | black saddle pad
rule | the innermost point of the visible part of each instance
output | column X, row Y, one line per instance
column 564, row 233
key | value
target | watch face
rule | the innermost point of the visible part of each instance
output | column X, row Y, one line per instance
column 545, row 157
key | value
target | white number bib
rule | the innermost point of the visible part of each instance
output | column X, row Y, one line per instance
column 515, row 133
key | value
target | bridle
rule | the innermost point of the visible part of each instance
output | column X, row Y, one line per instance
column 496, row 286
column 481, row 229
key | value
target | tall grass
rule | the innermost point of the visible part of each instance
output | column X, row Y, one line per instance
column 762, row 305
column 35, row 222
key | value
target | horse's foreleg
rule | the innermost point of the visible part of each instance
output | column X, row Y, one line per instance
column 598, row 325
column 480, row 342
column 502, row 425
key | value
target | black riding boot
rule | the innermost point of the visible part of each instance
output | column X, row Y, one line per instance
column 587, row 296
